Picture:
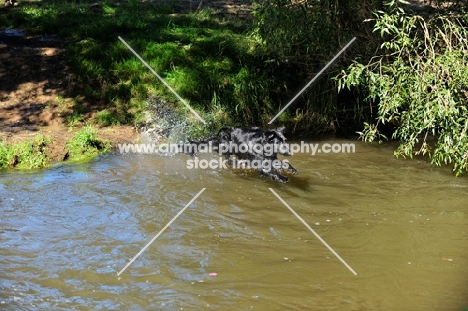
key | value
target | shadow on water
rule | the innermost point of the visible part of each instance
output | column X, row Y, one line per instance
column 401, row 225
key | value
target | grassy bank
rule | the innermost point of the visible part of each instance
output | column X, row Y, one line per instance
column 25, row 155
column 209, row 60
column 35, row 154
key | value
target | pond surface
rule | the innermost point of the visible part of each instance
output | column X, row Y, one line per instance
column 66, row 232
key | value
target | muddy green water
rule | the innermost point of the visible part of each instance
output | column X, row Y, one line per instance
column 401, row 225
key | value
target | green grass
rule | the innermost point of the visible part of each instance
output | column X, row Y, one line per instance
column 106, row 118
column 200, row 55
column 30, row 154
column 85, row 145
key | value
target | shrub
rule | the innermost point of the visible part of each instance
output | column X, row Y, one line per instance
column 420, row 81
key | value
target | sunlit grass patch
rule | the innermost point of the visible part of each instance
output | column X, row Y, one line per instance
column 199, row 54
column 29, row 154
column 85, row 145
column 106, row 117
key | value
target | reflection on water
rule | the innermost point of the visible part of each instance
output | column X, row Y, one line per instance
column 401, row 225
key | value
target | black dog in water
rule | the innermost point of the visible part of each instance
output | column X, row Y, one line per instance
column 252, row 147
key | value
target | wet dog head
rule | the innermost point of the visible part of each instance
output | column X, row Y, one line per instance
column 277, row 140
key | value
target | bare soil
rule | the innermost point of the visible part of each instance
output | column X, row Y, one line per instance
column 34, row 83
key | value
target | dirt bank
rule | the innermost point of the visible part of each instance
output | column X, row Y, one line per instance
column 34, row 83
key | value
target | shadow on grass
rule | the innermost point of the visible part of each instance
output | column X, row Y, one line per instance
column 208, row 60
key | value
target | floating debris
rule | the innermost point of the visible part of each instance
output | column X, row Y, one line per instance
column 273, row 231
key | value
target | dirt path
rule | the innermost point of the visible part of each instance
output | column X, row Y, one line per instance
column 34, row 81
